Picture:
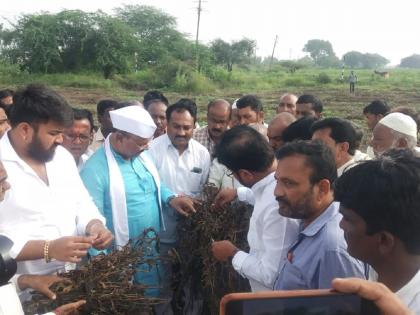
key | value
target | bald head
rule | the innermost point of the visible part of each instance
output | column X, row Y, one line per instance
column 276, row 128
column 218, row 116
column 287, row 103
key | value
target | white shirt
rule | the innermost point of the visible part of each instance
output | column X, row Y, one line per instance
column 185, row 173
column 83, row 158
column 269, row 236
column 9, row 301
column 33, row 210
column 410, row 294
column 346, row 166
column 360, row 156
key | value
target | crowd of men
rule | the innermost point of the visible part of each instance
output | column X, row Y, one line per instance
column 322, row 208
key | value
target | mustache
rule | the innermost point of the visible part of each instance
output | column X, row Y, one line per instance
column 283, row 200
column 180, row 137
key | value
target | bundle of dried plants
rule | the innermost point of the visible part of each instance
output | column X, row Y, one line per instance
column 106, row 282
column 200, row 281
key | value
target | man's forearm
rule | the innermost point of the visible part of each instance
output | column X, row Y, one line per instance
column 32, row 250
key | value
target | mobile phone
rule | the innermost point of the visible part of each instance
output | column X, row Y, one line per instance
column 297, row 302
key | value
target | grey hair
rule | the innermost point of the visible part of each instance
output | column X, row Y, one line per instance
column 411, row 141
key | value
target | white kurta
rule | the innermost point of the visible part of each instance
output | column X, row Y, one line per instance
column 33, row 210
column 269, row 236
column 185, row 173
column 410, row 294
column 9, row 301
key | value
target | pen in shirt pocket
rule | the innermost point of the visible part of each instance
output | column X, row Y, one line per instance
column 197, row 170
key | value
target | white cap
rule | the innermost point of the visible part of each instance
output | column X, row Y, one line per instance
column 234, row 104
column 133, row 119
column 401, row 123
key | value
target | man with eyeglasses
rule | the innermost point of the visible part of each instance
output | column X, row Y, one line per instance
column 78, row 137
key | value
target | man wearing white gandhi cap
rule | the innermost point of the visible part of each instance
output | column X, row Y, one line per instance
column 125, row 184
column 394, row 131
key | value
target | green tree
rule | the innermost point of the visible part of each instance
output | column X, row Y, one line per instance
column 156, row 33
column 321, row 51
column 412, row 61
column 374, row 61
column 355, row 59
column 34, row 43
column 73, row 27
column 110, row 46
column 237, row 52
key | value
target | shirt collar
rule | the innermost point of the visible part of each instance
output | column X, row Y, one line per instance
column 169, row 144
column 322, row 220
column 345, row 167
column 263, row 182
column 8, row 153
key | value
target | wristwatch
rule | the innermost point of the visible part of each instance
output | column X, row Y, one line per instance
column 170, row 198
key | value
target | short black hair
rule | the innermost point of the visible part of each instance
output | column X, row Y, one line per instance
column 152, row 97
column 81, row 113
column 319, row 158
column 242, row 147
column 36, row 103
column 184, row 104
column 385, row 192
column 377, row 107
column 6, row 93
column 359, row 134
column 5, row 108
column 250, row 100
column 123, row 104
column 103, row 105
column 299, row 130
column 317, row 105
column 341, row 131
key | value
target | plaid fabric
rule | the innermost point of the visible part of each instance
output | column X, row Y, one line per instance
column 202, row 135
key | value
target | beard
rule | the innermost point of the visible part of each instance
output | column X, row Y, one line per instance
column 39, row 153
column 300, row 210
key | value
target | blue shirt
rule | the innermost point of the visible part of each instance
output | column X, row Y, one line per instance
column 318, row 256
column 140, row 193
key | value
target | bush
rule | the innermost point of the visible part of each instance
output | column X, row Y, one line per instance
column 293, row 82
column 323, row 78
column 11, row 74
column 192, row 81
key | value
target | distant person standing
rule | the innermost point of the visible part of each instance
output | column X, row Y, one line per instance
column 352, row 81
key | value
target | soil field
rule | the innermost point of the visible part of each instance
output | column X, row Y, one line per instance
column 337, row 101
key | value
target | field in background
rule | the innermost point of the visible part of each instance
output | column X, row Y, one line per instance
column 85, row 90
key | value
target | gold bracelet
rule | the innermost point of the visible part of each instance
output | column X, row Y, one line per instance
column 47, row 258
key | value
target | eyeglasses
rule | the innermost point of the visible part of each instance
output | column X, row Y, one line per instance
column 72, row 138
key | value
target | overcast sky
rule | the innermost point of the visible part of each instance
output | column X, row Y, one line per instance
column 390, row 28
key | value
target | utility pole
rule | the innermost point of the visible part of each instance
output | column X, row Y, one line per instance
column 272, row 54
column 197, row 57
